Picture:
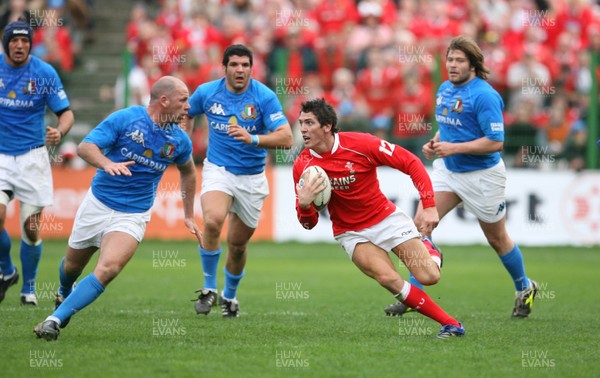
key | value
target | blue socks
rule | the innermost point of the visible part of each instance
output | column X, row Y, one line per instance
column 513, row 262
column 414, row 282
column 66, row 282
column 210, row 261
column 30, row 258
column 6, row 264
column 88, row 290
column 231, row 284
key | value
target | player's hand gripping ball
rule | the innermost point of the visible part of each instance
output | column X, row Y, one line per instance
column 325, row 194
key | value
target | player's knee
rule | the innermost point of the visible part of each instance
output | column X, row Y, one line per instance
column 428, row 277
column 497, row 242
column 213, row 225
column 237, row 250
column 31, row 234
column 107, row 272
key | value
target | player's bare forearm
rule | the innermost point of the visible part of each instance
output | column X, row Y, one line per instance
column 479, row 146
column 54, row 135
column 92, row 154
column 65, row 122
column 187, row 176
column 280, row 138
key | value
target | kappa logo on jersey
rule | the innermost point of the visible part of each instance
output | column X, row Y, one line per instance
column 458, row 106
column 249, row 112
column 168, row 151
column 137, row 137
column 1, row 84
column 216, row 109
column 439, row 100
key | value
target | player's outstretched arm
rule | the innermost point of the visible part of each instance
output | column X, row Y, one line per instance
column 93, row 156
column 187, row 177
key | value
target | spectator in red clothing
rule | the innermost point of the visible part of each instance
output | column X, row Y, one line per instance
column 336, row 16
column 138, row 16
column 330, row 57
column 52, row 43
column 412, row 126
column 376, row 84
column 170, row 16
column 371, row 32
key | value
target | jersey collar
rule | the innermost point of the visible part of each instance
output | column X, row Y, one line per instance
column 336, row 144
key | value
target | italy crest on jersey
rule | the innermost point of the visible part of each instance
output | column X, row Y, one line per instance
column 249, row 112
column 29, row 88
column 167, row 151
column 458, row 106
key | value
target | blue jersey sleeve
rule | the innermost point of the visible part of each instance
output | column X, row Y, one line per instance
column 273, row 116
column 56, row 97
column 186, row 154
column 197, row 100
column 106, row 133
column 489, row 107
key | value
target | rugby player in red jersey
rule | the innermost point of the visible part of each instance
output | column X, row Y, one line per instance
column 365, row 222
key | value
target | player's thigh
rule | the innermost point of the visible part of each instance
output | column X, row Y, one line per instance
column 445, row 202
column 215, row 206
column 415, row 256
column 116, row 249
column 373, row 261
column 238, row 233
column 2, row 216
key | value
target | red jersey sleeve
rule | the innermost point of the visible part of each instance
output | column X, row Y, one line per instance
column 385, row 153
column 308, row 218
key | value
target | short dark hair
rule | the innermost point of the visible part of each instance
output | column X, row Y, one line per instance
column 324, row 112
column 238, row 50
column 473, row 53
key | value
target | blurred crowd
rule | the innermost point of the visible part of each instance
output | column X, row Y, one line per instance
column 378, row 61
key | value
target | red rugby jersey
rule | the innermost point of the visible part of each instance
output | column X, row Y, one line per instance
column 356, row 200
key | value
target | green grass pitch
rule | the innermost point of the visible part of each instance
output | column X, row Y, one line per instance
column 307, row 311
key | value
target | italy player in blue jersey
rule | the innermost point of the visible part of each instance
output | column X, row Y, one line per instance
column 244, row 119
column 131, row 148
column 27, row 86
column 470, row 169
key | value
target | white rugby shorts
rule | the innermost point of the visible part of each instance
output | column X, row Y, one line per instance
column 482, row 192
column 94, row 220
column 28, row 176
column 387, row 234
column 248, row 191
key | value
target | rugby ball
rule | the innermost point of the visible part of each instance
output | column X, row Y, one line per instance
column 325, row 194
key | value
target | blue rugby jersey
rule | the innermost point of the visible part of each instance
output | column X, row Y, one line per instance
column 24, row 93
column 468, row 112
column 257, row 110
column 130, row 134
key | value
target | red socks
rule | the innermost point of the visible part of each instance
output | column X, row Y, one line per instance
column 418, row 300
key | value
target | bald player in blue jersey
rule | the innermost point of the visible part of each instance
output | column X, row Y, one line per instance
column 244, row 119
column 131, row 148
column 27, row 86
column 470, row 170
